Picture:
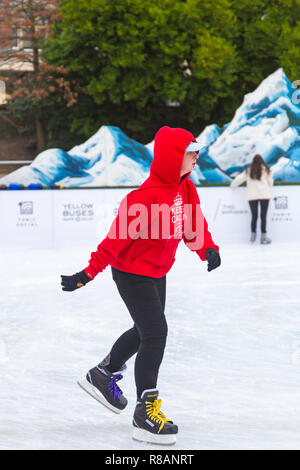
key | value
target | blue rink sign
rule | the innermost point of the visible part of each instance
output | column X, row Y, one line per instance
column 51, row 218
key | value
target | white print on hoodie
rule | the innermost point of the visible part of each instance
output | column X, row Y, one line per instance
column 178, row 216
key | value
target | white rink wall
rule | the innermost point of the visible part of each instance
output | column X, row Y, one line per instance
column 52, row 218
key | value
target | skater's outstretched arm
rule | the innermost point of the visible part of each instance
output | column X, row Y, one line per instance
column 239, row 179
column 117, row 239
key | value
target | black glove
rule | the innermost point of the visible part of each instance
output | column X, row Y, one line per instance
column 213, row 257
column 70, row 283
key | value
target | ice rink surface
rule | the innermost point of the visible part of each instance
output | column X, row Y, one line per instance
column 230, row 377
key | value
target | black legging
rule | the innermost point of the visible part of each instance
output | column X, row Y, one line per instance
column 264, row 203
column 145, row 299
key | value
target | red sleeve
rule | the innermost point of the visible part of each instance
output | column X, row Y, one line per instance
column 196, row 234
column 119, row 236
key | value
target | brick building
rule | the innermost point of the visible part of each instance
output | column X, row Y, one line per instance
column 14, row 35
column 20, row 30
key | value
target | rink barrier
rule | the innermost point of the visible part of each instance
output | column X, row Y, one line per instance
column 47, row 218
column 18, row 186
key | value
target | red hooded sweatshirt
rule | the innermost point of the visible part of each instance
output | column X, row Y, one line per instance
column 143, row 241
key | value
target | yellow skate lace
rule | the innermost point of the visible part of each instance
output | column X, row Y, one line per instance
column 153, row 411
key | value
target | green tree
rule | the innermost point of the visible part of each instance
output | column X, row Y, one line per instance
column 282, row 21
column 268, row 37
column 146, row 63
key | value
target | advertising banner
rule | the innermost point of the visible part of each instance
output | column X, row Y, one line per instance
column 60, row 217
column 26, row 218
column 228, row 213
column 108, row 210
column 84, row 214
column 284, row 213
column 75, row 214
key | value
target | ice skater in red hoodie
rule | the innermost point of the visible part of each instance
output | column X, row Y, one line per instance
column 140, row 248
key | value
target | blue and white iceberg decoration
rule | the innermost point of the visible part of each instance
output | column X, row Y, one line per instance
column 267, row 122
column 108, row 158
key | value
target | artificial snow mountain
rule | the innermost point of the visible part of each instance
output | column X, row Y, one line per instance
column 267, row 122
column 108, row 158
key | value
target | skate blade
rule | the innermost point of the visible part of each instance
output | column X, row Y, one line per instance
column 141, row 435
column 94, row 392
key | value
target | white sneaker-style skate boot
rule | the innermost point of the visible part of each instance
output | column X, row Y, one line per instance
column 150, row 424
column 264, row 240
column 253, row 237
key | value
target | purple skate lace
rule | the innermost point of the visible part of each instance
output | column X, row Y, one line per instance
column 113, row 387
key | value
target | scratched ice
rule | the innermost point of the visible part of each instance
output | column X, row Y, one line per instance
column 231, row 372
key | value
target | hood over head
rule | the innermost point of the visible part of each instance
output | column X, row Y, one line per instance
column 169, row 147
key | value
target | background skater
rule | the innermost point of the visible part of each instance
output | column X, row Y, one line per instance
column 259, row 181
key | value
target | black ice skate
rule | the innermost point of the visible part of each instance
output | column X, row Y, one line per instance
column 101, row 384
column 150, row 424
